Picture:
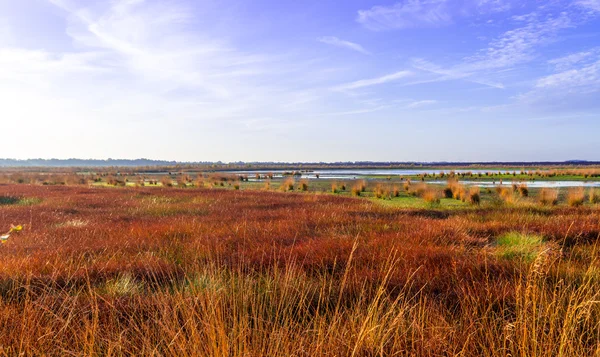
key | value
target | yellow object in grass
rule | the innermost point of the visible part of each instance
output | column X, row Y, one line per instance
column 4, row 237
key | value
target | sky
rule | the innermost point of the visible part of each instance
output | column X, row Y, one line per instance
column 311, row 80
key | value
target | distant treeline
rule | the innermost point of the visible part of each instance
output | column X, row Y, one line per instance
column 161, row 165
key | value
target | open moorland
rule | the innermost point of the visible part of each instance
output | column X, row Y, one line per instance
column 224, row 264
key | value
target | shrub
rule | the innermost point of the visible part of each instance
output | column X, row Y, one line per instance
column 548, row 197
column 396, row 191
column 381, row 192
column 287, row 184
column 356, row 190
column 419, row 190
column 236, row 186
column 181, row 182
column 166, row 181
column 523, row 190
column 303, row 185
column 334, row 187
column 460, row 193
column 506, row 194
column 447, row 192
column 594, row 196
column 363, row 185
column 110, row 180
column 576, row 196
column 474, row 197
column 431, row 196
column 454, row 190
column 199, row 181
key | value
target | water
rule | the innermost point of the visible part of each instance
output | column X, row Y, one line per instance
column 530, row 184
column 349, row 174
column 360, row 173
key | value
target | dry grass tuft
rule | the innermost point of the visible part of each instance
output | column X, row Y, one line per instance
column 548, row 197
column 474, row 195
column 576, row 197
column 594, row 196
column 303, row 186
column 287, row 184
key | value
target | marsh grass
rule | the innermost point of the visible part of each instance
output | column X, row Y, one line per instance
column 359, row 187
column 518, row 245
column 381, row 191
column 523, row 190
column 594, row 195
column 21, row 201
column 335, row 188
column 506, row 194
column 272, row 274
column 548, row 197
column 576, row 196
column 166, row 181
column 287, row 184
column 303, row 185
column 474, row 195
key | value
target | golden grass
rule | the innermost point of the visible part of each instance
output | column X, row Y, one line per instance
column 474, row 195
column 594, row 196
column 196, row 272
column 576, row 196
column 287, row 184
column 548, row 196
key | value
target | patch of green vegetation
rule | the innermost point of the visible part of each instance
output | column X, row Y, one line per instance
column 515, row 245
column 8, row 200
column 122, row 285
column 29, row 201
column 407, row 201
column 20, row 201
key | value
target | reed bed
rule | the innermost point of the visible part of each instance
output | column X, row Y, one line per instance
column 196, row 272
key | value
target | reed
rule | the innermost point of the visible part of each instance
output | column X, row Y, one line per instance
column 576, row 196
column 548, row 197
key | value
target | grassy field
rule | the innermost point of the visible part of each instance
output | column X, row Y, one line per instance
column 240, row 270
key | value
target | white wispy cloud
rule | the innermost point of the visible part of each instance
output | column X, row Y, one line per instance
column 334, row 41
column 512, row 48
column 151, row 45
column 421, row 103
column 411, row 13
column 356, row 111
column 519, row 45
column 373, row 81
column 574, row 85
column 151, row 68
column 426, row 13
column 593, row 5
column 585, row 78
column 568, row 61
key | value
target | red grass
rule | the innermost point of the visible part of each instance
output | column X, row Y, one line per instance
column 197, row 271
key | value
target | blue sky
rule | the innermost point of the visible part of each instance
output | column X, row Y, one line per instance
column 266, row 80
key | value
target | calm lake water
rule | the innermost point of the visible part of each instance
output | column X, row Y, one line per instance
column 349, row 174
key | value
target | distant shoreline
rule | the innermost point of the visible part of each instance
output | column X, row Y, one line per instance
column 159, row 165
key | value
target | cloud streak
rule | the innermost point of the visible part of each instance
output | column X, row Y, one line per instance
column 427, row 13
column 412, row 13
column 392, row 77
column 334, row 41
